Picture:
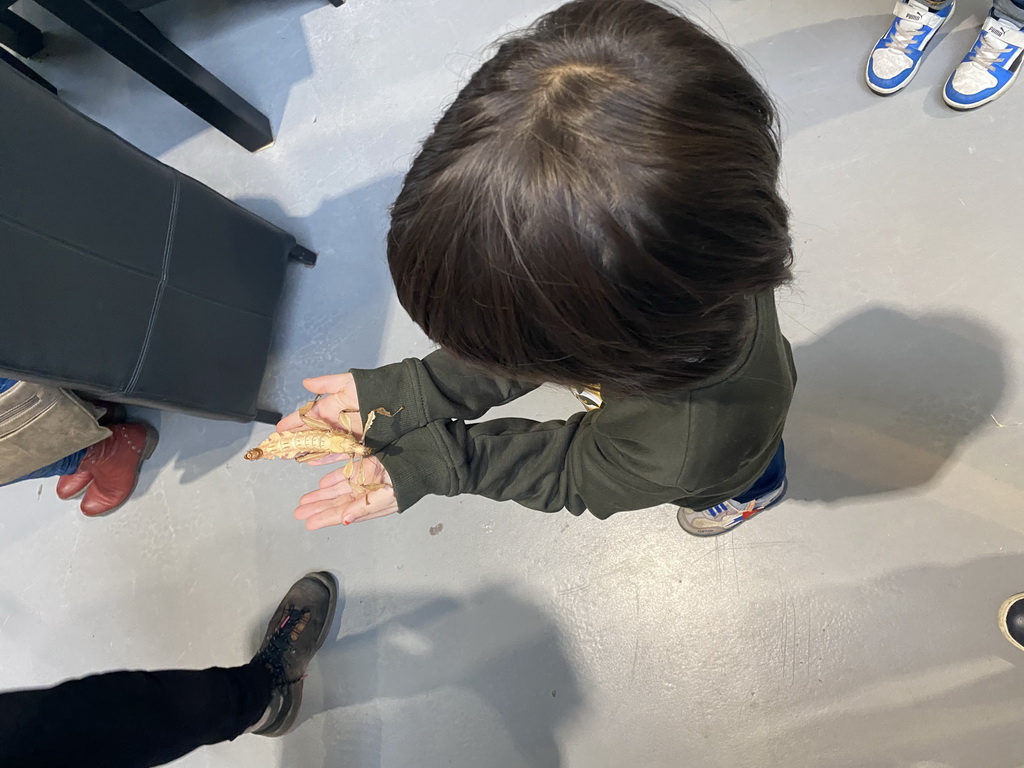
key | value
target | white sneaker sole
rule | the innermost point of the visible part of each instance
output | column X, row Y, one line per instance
column 891, row 91
column 983, row 102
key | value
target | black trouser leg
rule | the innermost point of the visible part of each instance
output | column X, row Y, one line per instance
column 130, row 719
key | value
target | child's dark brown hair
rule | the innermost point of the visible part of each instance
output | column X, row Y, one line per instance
column 598, row 206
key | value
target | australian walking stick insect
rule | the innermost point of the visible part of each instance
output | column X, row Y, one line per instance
column 321, row 440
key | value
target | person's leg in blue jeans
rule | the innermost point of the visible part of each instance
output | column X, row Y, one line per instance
column 1010, row 9
column 39, row 422
column 767, row 491
column 773, row 478
column 66, row 466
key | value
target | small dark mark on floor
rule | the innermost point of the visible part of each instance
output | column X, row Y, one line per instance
column 436, row 529
column 554, row 693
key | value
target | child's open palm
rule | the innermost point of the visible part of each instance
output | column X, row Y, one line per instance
column 338, row 395
column 337, row 501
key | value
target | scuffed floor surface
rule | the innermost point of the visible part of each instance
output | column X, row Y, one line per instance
column 854, row 626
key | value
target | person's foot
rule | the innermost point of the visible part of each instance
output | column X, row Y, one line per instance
column 989, row 69
column 1011, row 620
column 298, row 628
column 897, row 55
column 110, row 469
column 74, row 485
column 727, row 515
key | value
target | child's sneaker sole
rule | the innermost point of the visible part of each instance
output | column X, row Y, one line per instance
column 987, row 100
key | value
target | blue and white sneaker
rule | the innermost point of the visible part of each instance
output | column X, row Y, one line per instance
column 727, row 515
column 897, row 55
column 989, row 69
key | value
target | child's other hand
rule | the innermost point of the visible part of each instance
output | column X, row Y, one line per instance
column 339, row 396
column 336, row 503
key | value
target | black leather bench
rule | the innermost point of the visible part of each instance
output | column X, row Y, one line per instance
column 123, row 278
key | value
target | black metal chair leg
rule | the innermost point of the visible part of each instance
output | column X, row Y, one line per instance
column 132, row 39
column 18, row 35
column 268, row 417
column 337, row 3
column 303, row 256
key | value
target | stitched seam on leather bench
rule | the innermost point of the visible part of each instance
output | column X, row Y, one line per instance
column 161, row 286
column 118, row 265
column 214, row 302
column 72, row 246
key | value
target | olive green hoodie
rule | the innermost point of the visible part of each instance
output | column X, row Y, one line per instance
column 707, row 444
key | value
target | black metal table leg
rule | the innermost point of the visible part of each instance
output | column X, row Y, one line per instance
column 27, row 71
column 131, row 38
column 18, row 35
column 302, row 255
column 267, row 417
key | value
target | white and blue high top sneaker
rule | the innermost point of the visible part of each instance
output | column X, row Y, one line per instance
column 989, row 69
column 896, row 57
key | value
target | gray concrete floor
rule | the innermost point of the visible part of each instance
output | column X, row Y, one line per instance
column 855, row 626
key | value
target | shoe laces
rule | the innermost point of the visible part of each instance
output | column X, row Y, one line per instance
column 903, row 35
column 293, row 622
column 905, row 31
column 986, row 55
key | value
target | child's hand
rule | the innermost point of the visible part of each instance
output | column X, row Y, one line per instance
column 337, row 503
column 340, row 396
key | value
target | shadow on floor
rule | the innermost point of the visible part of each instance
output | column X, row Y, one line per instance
column 793, row 65
column 799, row 67
column 481, row 680
column 885, row 399
column 217, row 33
column 909, row 669
column 332, row 318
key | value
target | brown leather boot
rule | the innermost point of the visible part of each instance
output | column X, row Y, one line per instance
column 113, row 466
column 70, row 486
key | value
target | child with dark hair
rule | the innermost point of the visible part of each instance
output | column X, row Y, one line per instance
column 598, row 209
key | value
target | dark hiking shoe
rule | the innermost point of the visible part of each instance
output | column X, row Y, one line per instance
column 299, row 627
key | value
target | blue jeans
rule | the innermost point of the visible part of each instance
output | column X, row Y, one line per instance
column 66, row 466
column 772, row 478
column 1004, row 9
column 1010, row 9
